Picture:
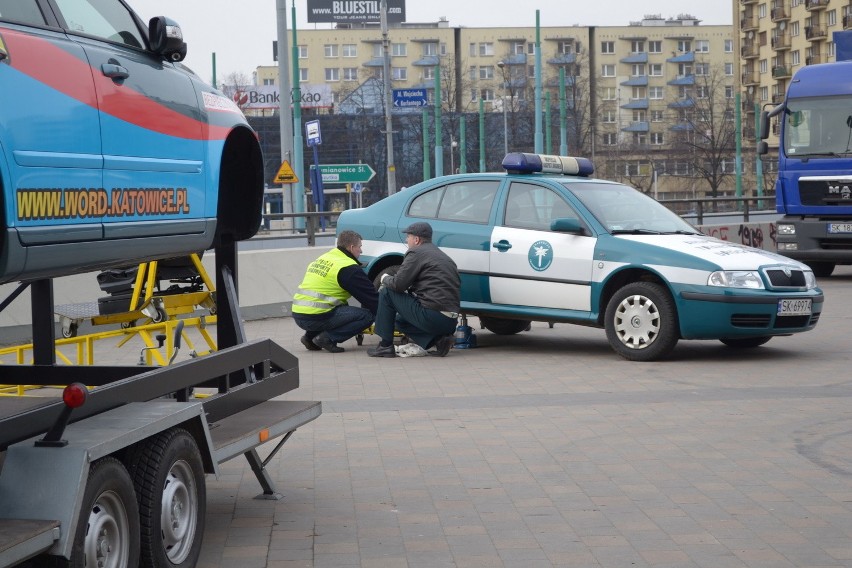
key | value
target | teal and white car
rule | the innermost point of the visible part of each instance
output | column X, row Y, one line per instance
column 546, row 242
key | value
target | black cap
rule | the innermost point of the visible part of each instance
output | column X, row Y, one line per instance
column 421, row 229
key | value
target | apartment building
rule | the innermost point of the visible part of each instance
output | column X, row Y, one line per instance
column 632, row 89
column 776, row 37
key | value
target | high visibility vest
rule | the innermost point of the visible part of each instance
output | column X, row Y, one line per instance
column 319, row 291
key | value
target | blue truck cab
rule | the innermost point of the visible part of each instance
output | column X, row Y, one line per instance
column 111, row 151
column 814, row 186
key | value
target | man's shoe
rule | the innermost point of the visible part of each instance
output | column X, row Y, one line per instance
column 443, row 346
column 309, row 344
column 380, row 351
column 324, row 341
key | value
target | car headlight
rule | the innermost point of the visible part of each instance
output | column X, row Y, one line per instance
column 810, row 279
column 736, row 279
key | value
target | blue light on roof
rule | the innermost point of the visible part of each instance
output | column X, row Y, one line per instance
column 525, row 163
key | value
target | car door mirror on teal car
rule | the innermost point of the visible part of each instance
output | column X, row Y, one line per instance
column 566, row 225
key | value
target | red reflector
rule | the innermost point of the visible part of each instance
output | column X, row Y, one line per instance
column 74, row 395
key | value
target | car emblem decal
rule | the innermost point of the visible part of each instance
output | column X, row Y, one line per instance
column 787, row 271
column 540, row 256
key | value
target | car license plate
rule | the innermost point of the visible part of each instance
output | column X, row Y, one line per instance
column 835, row 228
column 794, row 307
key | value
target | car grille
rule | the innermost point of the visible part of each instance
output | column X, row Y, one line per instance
column 779, row 279
column 763, row 321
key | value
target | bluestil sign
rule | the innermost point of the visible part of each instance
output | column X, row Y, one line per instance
column 353, row 11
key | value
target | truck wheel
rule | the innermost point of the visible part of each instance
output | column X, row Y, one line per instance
column 169, row 479
column 745, row 342
column 641, row 322
column 822, row 269
column 108, row 530
column 502, row 326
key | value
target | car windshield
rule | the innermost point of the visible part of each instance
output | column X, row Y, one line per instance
column 624, row 210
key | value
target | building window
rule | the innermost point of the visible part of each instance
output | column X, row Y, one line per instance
column 399, row 73
column 655, row 92
column 608, row 70
column 428, row 73
column 655, row 46
column 608, row 93
column 473, row 72
column 638, row 93
column 794, row 29
column 399, row 49
column 729, row 46
column 764, row 94
column 831, row 49
column 350, row 73
column 430, row 49
column 303, row 75
column 607, row 47
column 531, row 48
column 330, row 50
column 656, row 116
column 761, row 11
column 795, row 57
column 486, row 94
column 486, row 72
column 472, row 50
column 762, row 66
column 350, row 50
column 702, row 46
column 702, row 69
column 332, row 74
column 639, row 116
column 517, row 47
column 378, row 51
column 684, row 69
column 609, row 139
column 608, row 116
column 486, row 49
column 638, row 70
column 655, row 69
column 303, row 52
column 831, row 17
column 637, row 46
column 684, row 45
column 729, row 69
column 564, row 47
column 268, row 82
column 702, row 92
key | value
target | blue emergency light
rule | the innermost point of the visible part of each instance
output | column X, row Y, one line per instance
column 524, row 163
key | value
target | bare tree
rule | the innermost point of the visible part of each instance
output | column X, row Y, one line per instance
column 233, row 85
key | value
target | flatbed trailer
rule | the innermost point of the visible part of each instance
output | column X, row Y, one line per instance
column 117, row 471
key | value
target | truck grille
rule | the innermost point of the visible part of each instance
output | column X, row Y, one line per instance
column 825, row 192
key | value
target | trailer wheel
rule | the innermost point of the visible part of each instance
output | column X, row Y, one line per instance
column 169, row 479
column 108, row 530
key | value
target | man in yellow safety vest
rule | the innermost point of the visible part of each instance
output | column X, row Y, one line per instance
column 320, row 303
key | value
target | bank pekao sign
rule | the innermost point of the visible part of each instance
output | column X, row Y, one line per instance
column 268, row 97
column 353, row 11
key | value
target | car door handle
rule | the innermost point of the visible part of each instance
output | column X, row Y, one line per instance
column 502, row 246
column 115, row 71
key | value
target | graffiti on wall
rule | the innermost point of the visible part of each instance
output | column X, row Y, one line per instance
column 758, row 235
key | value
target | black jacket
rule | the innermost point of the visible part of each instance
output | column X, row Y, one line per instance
column 429, row 275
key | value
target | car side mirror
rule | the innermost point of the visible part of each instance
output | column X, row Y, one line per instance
column 567, row 225
column 166, row 39
column 762, row 148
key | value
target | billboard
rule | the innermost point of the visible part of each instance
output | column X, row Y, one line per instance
column 353, row 11
column 252, row 97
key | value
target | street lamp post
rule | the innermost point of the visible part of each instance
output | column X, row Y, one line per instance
column 453, row 145
column 502, row 65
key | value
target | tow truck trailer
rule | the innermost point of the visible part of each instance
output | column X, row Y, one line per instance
column 115, row 475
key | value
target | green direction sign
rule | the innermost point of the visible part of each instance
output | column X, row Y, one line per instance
column 346, row 173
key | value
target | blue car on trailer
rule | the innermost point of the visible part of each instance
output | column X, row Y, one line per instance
column 544, row 241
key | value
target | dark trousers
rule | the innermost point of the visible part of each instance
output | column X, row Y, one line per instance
column 403, row 312
column 342, row 323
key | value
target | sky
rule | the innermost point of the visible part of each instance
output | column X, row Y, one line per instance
column 241, row 33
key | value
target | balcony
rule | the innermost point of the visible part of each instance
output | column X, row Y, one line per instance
column 781, row 72
column 813, row 59
column 750, row 51
column 815, row 33
column 747, row 2
column 847, row 21
column 815, row 4
column 750, row 78
column 636, row 104
column 779, row 14
column 637, row 126
column 781, row 42
column 748, row 23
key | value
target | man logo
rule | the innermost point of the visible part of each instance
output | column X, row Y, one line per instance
column 540, row 256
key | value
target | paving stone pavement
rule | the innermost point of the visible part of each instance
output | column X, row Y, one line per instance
column 547, row 449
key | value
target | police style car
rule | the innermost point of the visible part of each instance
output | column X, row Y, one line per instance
column 546, row 242
column 111, row 151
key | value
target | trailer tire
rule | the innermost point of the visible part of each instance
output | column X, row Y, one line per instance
column 169, row 478
column 108, row 529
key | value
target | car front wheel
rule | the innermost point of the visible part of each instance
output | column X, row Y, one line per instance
column 641, row 322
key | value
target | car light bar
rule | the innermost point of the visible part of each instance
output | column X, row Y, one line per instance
column 524, row 163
